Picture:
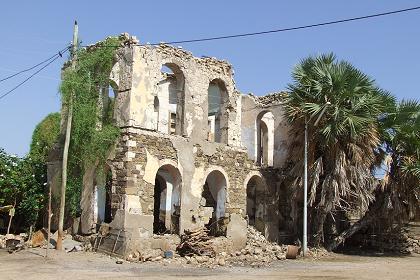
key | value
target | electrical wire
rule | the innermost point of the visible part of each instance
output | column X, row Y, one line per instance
column 56, row 56
column 295, row 28
column 32, row 75
column 60, row 53
column 279, row 30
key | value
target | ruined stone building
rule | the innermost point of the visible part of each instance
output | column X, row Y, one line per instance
column 193, row 152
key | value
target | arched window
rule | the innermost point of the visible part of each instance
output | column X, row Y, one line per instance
column 106, row 104
column 265, row 139
column 167, row 200
column 169, row 111
column 217, row 113
column 156, row 111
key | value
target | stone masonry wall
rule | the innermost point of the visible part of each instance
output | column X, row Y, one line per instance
column 137, row 159
column 142, row 150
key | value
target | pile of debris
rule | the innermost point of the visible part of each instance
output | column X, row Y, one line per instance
column 413, row 244
column 199, row 249
column 196, row 242
column 400, row 242
column 258, row 251
column 319, row 253
column 14, row 243
column 409, row 239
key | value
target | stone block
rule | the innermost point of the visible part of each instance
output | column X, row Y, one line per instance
column 236, row 231
column 137, row 221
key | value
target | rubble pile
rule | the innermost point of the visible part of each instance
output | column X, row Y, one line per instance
column 318, row 253
column 13, row 243
column 197, row 248
column 408, row 241
column 401, row 242
column 196, row 242
column 258, row 251
column 413, row 243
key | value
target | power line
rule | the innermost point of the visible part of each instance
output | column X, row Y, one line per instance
column 56, row 56
column 36, row 65
column 281, row 29
column 296, row 28
column 33, row 74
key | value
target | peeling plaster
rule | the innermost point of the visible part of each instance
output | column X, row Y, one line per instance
column 151, row 168
column 142, row 150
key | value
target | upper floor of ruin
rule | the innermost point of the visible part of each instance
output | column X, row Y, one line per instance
column 167, row 90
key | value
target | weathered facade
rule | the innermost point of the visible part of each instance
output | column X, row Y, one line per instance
column 193, row 152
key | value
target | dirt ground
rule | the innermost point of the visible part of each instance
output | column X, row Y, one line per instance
column 31, row 264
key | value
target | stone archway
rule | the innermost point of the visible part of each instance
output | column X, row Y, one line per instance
column 167, row 200
column 102, row 195
column 256, row 203
column 214, row 199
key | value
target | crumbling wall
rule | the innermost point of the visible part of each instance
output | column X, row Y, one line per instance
column 120, row 80
column 253, row 108
column 198, row 74
column 138, row 157
column 148, row 143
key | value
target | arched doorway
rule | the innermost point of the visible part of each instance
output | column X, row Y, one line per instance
column 214, row 196
column 255, row 202
column 102, row 196
column 167, row 200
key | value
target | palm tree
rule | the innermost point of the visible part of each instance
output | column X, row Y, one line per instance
column 398, row 198
column 342, row 148
column 401, row 138
column 401, row 135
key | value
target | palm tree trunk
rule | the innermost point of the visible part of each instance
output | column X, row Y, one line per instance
column 318, row 227
column 362, row 223
column 371, row 215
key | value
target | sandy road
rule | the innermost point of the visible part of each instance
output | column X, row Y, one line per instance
column 30, row 264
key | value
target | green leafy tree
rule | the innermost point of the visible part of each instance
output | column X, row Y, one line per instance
column 342, row 147
column 44, row 137
column 93, row 131
column 22, row 184
column 23, row 180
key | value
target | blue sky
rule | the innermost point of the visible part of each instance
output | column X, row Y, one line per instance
column 386, row 48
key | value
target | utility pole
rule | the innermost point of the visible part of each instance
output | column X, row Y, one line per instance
column 66, row 145
column 305, row 192
column 49, row 219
